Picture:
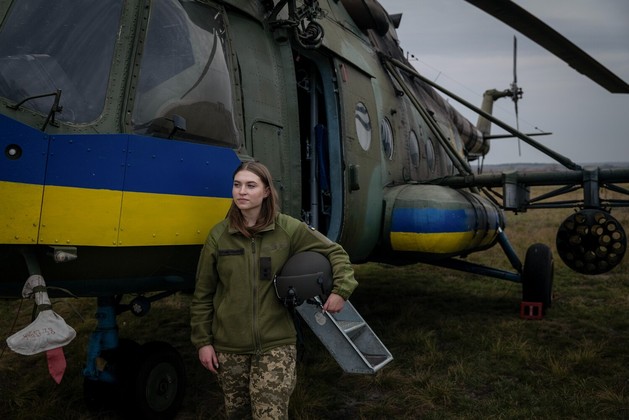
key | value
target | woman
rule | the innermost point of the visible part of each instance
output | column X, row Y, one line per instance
column 240, row 328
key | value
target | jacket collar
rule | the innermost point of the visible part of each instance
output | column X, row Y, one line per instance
column 270, row 227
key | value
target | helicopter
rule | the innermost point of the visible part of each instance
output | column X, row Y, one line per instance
column 122, row 123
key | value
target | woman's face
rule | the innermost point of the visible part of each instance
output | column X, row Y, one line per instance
column 249, row 191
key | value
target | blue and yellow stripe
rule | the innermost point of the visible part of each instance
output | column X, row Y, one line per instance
column 111, row 190
column 437, row 220
column 435, row 231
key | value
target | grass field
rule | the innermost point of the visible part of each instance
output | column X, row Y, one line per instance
column 460, row 347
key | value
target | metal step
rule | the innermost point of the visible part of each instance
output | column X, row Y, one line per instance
column 347, row 337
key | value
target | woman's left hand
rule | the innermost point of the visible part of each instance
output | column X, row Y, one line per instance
column 334, row 303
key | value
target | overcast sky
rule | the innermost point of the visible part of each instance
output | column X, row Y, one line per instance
column 468, row 52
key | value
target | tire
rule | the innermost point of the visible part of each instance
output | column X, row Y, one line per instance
column 537, row 276
column 160, row 381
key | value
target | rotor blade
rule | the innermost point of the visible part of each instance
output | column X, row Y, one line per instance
column 536, row 30
column 517, row 126
column 509, row 136
column 515, row 54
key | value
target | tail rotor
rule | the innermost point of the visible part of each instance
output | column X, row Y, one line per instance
column 515, row 91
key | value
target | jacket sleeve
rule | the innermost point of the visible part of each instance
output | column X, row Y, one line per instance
column 306, row 238
column 202, row 304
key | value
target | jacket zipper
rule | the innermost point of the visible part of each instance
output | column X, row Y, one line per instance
column 254, row 276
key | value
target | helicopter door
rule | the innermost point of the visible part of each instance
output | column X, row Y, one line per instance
column 361, row 146
column 321, row 178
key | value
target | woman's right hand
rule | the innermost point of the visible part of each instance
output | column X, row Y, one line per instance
column 208, row 358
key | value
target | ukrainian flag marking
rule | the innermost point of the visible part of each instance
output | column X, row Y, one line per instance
column 113, row 190
column 438, row 231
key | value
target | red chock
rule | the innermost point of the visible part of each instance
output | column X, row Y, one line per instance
column 531, row 310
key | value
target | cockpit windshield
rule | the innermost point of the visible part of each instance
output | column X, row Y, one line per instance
column 63, row 44
column 184, row 75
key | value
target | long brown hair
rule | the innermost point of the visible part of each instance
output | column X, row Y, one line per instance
column 270, row 204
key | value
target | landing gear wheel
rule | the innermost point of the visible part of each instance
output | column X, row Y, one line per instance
column 159, row 384
column 537, row 275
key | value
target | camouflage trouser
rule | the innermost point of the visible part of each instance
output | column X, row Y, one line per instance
column 258, row 386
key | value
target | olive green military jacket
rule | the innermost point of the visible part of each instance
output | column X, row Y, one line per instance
column 235, row 307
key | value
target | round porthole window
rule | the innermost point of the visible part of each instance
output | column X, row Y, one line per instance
column 363, row 125
column 430, row 154
column 386, row 132
column 414, row 148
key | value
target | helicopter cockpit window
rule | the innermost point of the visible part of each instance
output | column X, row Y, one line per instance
column 62, row 44
column 387, row 138
column 184, row 72
column 363, row 125
column 414, row 148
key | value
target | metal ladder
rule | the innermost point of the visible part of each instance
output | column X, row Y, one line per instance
column 347, row 337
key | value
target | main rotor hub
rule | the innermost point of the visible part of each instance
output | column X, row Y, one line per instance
column 591, row 241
